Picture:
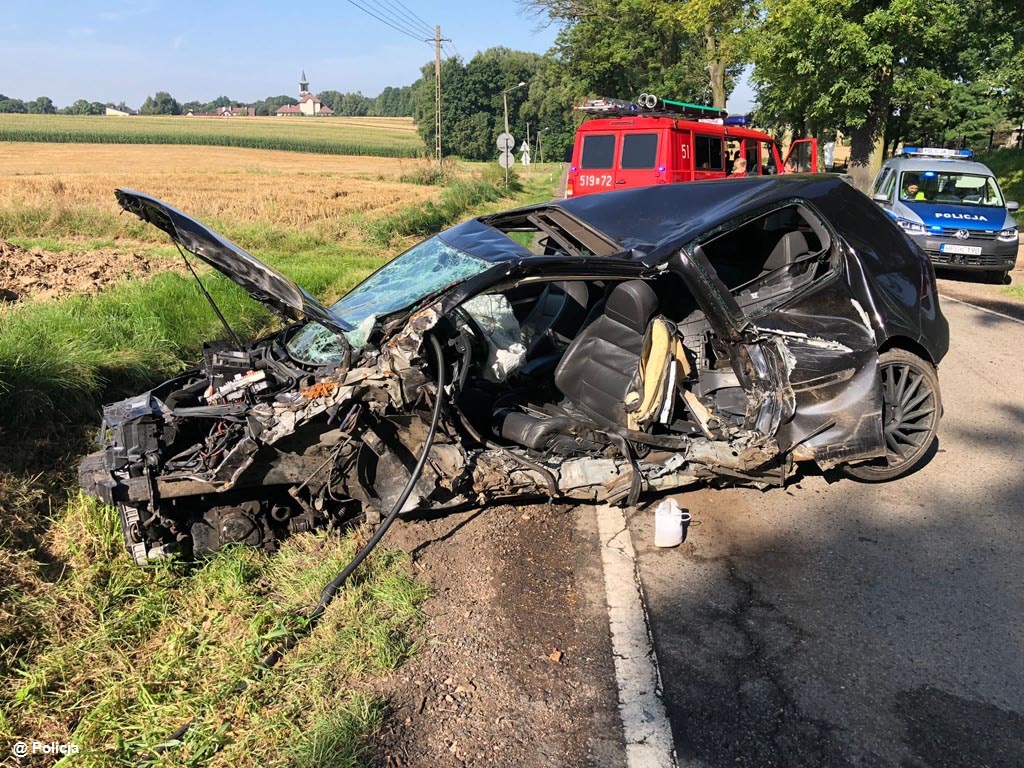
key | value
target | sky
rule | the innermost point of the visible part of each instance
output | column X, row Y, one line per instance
column 126, row 50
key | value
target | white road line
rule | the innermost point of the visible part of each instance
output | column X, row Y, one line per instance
column 980, row 309
column 645, row 724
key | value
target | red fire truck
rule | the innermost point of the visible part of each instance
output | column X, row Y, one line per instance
column 657, row 141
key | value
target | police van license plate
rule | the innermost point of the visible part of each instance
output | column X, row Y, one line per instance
column 966, row 250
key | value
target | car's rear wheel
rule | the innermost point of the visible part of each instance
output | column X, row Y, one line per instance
column 911, row 407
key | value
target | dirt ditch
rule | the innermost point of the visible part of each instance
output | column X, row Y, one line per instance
column 516, row 665
column 36, row 274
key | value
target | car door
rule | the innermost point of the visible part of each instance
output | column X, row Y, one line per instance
column 638, row 159
column 596, row 163
column 803, row 154
column 800, row 344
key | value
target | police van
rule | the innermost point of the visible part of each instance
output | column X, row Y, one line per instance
column 952, row 207
column 652, row 141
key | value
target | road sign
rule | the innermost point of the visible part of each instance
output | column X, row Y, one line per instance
column 506, row 160
column 505, row 141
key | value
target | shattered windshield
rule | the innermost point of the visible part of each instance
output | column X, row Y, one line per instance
column 420, row 272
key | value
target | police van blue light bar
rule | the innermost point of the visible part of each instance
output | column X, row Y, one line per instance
column 951, row 154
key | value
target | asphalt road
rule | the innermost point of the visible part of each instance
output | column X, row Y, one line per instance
column 835, row 623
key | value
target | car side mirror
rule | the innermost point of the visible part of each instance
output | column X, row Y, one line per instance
column 880, row 197
column 1012, row 205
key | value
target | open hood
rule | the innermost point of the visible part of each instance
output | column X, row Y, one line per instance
column 261, row 281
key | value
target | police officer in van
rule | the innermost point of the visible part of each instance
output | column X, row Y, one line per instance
column 912, row 190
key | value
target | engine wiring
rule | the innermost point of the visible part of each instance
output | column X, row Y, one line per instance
column 331, row 589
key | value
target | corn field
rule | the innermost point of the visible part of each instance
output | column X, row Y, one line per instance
column 378, row 137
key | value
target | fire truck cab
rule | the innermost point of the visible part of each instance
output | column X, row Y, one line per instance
column 631, row 145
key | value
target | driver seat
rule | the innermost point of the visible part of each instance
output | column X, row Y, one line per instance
column 551, row 324
column 594, row 374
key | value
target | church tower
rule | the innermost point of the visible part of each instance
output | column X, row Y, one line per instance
column 303, row 85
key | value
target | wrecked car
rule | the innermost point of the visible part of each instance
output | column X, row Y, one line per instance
column 595, row 348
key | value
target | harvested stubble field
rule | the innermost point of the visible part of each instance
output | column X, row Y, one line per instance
column 66, row 190
column 94, row 650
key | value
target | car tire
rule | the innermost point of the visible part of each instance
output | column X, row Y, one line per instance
column 908, row 382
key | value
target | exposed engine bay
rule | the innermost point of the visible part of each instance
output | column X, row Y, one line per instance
column 253, row 445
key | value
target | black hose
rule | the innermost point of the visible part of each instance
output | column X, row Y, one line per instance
column 332, row 588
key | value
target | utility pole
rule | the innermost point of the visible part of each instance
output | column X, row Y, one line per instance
column 437, row 93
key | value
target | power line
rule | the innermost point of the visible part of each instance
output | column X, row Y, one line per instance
column 385, row 21
column 454, row 50
column 411, row 13
column 396, row 16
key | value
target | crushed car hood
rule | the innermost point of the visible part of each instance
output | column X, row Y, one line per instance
column 263, row 283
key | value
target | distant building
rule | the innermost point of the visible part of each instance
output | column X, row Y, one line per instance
column 121, row 112
column 309, row 105
column 225, row 112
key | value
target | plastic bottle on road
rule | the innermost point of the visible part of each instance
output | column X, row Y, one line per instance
column 669, row 520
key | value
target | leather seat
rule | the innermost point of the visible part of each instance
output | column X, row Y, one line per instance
column 552, row 323
column 790, row 247
column 594, row 374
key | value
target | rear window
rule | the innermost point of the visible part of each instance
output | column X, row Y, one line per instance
column 598, row 152
column 639, row 150
column 708, row 151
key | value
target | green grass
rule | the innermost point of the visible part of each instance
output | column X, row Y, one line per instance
column 58, row 359
column 114, row 657
column 1008, row 166
column 1015, row 292
column 54, row 245
column 320, row 135
column 165, row 646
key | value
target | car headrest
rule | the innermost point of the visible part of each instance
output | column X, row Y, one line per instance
column 632, row 304
column 786, row 251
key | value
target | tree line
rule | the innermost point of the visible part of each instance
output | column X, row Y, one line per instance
column 391, row 102
column 946, row 72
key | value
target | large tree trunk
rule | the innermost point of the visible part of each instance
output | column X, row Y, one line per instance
column 716, row 68
column 867, row 145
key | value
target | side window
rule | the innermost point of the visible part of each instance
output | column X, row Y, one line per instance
column 598, row 152
column 765, row 260
column 800, row 154
column 880, row 179
column 708, row 151
column 767, row 158
column 639, row 150
column 992, row 195
column 889, row 183
column 750, row 153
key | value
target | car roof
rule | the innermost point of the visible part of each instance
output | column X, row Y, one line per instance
column 655, row 221
column 937, row 164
